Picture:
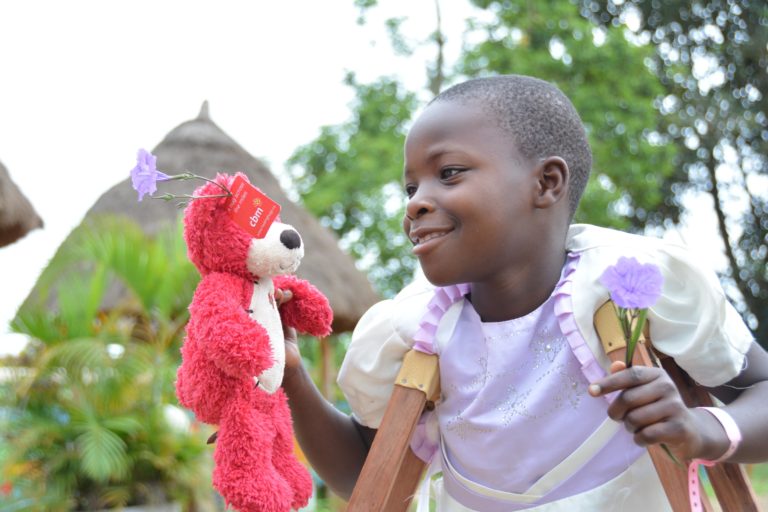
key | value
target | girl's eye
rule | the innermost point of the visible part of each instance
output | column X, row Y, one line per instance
column 450, row 172
column 410, row 190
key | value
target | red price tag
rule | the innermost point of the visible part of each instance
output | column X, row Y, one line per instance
column 250, row 209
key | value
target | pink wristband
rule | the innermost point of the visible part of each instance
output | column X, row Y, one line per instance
column 734, row 436
column 731, row 430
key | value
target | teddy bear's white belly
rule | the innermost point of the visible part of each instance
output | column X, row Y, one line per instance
column 264, row 311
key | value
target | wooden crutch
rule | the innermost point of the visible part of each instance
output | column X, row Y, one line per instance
column 732, row 488
column 391, row 471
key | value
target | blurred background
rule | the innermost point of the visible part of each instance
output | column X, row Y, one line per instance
column 312, row 100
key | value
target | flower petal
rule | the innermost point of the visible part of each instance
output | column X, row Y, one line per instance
column 633, row 285
column 144, row 176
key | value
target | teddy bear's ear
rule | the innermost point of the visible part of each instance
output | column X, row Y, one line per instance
column 214, row 242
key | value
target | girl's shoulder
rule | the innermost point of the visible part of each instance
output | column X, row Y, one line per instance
column 692, row 321
column 599, row 248
column 379, row 342
column 586, row 238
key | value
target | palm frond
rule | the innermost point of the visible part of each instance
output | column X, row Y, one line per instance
column 115, row 496
column 103, row 453
column 85, row 416
column 124, row 424
column 40, row 324
column 79, row 301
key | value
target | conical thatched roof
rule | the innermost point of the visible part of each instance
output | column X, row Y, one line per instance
column 201, row 147
column 17, row 216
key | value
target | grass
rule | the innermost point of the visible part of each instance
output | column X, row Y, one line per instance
column 758, row 474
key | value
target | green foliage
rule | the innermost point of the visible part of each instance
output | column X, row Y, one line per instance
column 350, row 177
column 312, row 355
column 758, row 475
column 606, row 78
column 88, row 402
column 710, row 56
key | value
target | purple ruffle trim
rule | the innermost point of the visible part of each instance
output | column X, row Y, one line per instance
column 563, row 305
column 442, row 299
column 424, row 442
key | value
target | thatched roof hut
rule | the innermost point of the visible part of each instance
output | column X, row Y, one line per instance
column 17, row 216
column 201, row 147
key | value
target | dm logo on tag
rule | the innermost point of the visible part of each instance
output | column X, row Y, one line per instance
column 251, row 209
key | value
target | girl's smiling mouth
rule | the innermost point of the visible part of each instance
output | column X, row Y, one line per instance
column 421, row 238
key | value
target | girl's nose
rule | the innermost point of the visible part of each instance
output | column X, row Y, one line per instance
column 418, row 204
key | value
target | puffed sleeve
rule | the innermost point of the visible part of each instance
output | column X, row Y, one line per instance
column 379, row 342
column 692, row 321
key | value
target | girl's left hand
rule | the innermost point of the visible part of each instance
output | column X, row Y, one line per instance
column 652, row 409
column 292, row 354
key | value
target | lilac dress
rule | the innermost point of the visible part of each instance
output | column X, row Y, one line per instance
column 515, row 392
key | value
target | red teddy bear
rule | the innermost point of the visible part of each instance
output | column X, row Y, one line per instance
column 234, row 354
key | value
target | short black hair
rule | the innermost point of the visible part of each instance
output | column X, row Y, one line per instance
column 540, row 118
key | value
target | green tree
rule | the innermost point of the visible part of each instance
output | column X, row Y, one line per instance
column 87, row 423
column 605, row 76
column 710, row 56
column 350, row 175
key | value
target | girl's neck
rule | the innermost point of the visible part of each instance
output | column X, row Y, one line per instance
column 517, row 292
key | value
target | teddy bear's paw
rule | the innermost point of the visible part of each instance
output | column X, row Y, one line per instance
column 308, row 311
column 256, row 492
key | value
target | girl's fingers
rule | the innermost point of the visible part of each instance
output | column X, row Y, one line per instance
column 617, row 366
column 649, row 405
column 641, row 396
column 659, row 411
column 671, row 432
column 629, row 378
column 282, row 296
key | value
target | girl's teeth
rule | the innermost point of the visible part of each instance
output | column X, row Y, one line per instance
column 428, row 237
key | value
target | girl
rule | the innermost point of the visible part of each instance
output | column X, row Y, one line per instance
column 528, row 418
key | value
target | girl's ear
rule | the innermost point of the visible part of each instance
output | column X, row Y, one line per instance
column 552, row 174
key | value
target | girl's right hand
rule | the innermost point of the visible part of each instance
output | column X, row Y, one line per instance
column 651, row 408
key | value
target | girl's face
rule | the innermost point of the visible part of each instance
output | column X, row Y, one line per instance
column 471, row 213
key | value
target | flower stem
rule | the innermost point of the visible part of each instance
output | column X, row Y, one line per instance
column 640, row 316
column 624, row 321
column 671, row 455
column 191, row 176
column 169, row 197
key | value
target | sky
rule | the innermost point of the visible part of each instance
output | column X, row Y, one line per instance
column 85, row 83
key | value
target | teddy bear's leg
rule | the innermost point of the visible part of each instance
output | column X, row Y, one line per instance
column 244, row 473
column 283, row 457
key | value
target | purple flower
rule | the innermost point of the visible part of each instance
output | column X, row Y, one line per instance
column 633, row 285
column 145, row 175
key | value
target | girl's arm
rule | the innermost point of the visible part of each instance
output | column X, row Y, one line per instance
column 746, row 396
column 651, row 408
column 335, row 444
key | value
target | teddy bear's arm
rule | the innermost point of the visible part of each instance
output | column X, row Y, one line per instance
column 308, row 311
column 238, row 345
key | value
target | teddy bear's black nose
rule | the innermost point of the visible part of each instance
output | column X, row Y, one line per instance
column 290, row 239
